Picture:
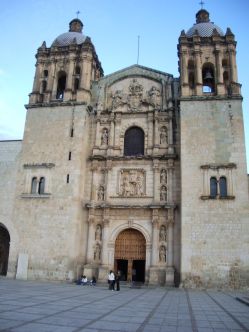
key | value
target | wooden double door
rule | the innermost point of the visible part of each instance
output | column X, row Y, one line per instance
column 130, row 255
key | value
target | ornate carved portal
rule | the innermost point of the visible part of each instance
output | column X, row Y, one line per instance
column 130, row 255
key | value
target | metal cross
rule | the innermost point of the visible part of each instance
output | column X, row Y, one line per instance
column 77, row 13
column 202, row 4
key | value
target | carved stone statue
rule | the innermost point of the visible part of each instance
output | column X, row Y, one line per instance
column 163, row 176
column 104, row 137
column 163, row 193
column 155, row 97
column 163, row 136
column 163, row 234
column 98, row 233
column 97, row 252
column 101, row 193
column 162, row 254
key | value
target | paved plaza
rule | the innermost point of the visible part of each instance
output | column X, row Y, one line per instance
column 27, row 306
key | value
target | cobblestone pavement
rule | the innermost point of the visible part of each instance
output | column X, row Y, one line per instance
column 27, row 306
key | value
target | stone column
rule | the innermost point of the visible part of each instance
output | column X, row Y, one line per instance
column 104, row 268
column 170, row 181
column 198, row 72
column 97, row 134
column 51, row 78
column 233, row 69
column 155, row 237
column 150, row 132
column 170, row 135
column 184, row 68
column 69, row 83
column 36, row 85
column 156, row 189
column 94, row 169
column 117, row 130
column 111, row 140
column 54, row 84
column 90, row 239
column 170, row 255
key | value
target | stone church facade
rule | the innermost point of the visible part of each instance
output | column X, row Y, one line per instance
column 137, row 171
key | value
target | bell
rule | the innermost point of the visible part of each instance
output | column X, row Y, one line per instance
column 208, row 76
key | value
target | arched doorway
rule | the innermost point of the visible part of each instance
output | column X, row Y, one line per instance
column 4, row 250
column 130, row 255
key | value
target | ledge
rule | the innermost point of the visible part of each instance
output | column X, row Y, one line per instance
column 35, row 195
column 145, row 157
column 55, row 103
column 105, row 205
column 42, row 165
column 204, row 198
column 217, row 166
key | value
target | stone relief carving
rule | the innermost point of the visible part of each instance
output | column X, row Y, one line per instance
column 163, row 136
column 163, row 193
column 101, row 193
column 118, row 99
column 135, row 95
column 155, row 97
column 98, row 233
column 132, row 183
column 134, row 99
column 162, row 254
column 97, row 252
column 104, row 137
column 163, row 176
column 163, row 234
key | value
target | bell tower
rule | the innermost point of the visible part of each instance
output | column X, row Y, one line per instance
column 65, row 70
column 207, row 60
column 214, row 192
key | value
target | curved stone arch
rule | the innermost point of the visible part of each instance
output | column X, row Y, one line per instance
column 116, row 231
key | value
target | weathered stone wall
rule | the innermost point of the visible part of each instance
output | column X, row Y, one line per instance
column 214, row 232
column 49, row 226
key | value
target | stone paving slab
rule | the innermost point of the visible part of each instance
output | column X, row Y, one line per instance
column 31, row 306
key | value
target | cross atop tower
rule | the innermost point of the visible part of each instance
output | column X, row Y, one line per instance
column 202, row 4
column 77, row 13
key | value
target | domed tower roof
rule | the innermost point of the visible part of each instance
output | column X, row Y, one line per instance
column 73, row 36
column 203, row 27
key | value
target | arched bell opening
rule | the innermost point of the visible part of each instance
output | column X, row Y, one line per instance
column 208, row 78
column 61, row 85
column 191, row 75
column 130, row 255
column 4, row 249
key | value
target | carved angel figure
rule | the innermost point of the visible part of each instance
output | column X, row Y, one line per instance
column 163, row 193
column 163, row 176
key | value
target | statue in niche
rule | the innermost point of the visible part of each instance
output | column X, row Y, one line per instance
column 162, row 254
column 155, row 97
column 97, row 252
column 104, row 137
column 101, row 193
column 98, row 233
column 135, row 95
column 117, row 99
column 163, row 176
column 163, row 136
column 163, row 234
column 163, row 193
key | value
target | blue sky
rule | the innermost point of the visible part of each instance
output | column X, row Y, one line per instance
column 113, row 26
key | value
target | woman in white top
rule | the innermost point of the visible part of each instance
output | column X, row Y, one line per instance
column 111, row 280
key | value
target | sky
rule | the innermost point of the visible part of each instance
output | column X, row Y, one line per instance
column 114, row 27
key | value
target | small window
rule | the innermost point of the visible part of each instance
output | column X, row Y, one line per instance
column 76, row 84
column 134, row 142
column 77, row 70
column 71, row 132
column 41, row 188
column 69, row 155
column 67, row 178
column 213, row 187
column 34, row 185
column 45, row 73
column 223, row 186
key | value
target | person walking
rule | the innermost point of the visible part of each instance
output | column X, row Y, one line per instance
column 111, row 280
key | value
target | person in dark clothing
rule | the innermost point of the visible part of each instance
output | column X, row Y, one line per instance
column 117, row 281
